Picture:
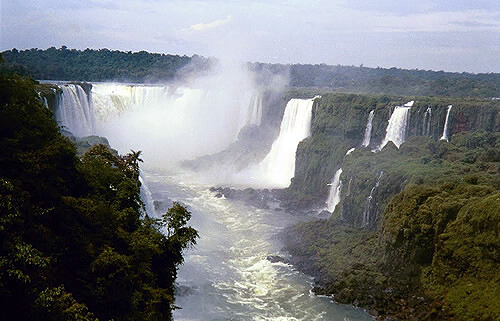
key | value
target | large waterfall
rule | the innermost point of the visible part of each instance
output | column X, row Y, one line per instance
column 446, row 122
column 334, row 194
column 166, row 123
column 75, row 110
column 396, row 129
column 368, row 130
column 278, row 166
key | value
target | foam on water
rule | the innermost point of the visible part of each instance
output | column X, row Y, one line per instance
column 228, row 270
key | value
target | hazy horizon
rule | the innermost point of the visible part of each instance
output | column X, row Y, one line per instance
column 452, row 36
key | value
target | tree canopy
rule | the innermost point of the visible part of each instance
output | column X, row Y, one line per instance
column 75, row 242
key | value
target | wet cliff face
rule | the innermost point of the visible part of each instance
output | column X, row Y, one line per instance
column 339, row 122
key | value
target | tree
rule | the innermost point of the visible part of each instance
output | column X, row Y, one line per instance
column 174, row 222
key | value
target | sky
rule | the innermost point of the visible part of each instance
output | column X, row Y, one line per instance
column 449, row 35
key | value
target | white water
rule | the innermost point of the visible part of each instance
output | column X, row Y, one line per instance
column 227, row 276
column 335, row 190
column 426, row 125
column 445, row 128
column 147, row 196
column 75, row 112
column 43, row 99
column 173, row 123
column 396, row 129
column 368, row 130
column 278, row 167
column 367, row 212
column 169, row 124
column 252, row 115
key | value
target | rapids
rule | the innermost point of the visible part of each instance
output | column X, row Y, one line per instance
column 227, row 276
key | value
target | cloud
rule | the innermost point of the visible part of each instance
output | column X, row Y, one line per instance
column 210, row 25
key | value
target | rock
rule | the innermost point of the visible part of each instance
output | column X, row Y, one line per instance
column 218, row 195
column 324, row 214
column 182, row 290
column 277, row 259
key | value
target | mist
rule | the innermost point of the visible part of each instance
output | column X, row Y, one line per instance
column 179, row 121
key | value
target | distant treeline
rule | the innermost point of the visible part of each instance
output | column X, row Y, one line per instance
column 104, row 64
column 393, row 81
column 99, row 65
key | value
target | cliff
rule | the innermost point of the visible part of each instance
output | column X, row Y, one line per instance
column 428, row 248
column 338, row 124
column 415, row 235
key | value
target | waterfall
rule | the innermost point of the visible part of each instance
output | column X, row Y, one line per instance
column 111, row 100
column 253, row 114
column 445, row 128
column 426, row 124
column 368, row 130
column 43, row 99
column 334, row 194
column 147, row 197
column 350, row 151
column 278, row 166
column 75, row 110
column 167, row 123
column 396, row 129
column 366, row 214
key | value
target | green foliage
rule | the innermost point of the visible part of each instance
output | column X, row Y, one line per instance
column 75, row 244
column 393, row 81
column 434, row 234
column 466, row 265
column 99, row 65
column 339, row 122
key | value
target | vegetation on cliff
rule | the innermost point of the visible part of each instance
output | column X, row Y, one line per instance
column 75, row 241
column 432, row 250
column 339, row 122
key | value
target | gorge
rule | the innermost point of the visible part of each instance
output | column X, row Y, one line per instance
column 354, row 155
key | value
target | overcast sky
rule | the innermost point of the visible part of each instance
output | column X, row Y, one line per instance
column 450, row 35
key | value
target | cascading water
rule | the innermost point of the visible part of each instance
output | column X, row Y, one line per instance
column 253, row 114
column 43, row 99
column 168, row 124
column 350, row 151
column 367, row 212
column 426, row 124
column 335, row 190
column 445, row 128
column 147, row 196
column 368, row 130
column 75, row 111
column 278, row 166
column 396, row 129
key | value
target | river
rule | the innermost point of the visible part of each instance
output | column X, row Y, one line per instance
column 227, row 276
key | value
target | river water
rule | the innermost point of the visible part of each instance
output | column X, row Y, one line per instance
column 227, row 276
